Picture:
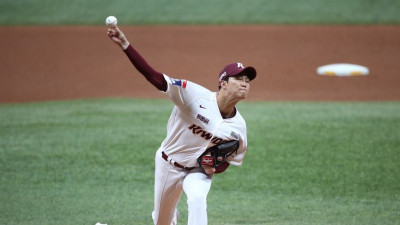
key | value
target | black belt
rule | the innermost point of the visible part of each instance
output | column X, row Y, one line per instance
column 165, row 157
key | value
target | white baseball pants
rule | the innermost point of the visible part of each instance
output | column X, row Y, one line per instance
column 168, row 186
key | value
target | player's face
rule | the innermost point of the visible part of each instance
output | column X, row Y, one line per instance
column 239, row 86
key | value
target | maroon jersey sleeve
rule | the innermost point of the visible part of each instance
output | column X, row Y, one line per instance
column 154, row 77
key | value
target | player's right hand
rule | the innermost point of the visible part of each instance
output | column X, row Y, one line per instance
column 118, row 37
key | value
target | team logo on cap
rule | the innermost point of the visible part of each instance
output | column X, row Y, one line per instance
column 225, row 73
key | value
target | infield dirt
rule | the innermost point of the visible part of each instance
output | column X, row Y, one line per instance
column 57, row 63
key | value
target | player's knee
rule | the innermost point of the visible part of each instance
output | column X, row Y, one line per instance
column 197, row 202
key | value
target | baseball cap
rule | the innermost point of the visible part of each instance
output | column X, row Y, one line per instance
column 235, row 69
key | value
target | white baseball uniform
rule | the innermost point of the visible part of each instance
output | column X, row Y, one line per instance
column 194, row 125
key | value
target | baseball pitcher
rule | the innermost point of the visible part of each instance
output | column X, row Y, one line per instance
column 205, row 134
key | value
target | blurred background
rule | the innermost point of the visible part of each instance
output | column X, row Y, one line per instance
column 58, row 49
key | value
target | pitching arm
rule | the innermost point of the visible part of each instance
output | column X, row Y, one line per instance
column 154, row 77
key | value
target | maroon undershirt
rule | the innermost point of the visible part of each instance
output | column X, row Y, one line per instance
column 157, row 79
column 154, row 77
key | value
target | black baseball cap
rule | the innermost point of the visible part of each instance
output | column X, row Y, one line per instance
column 235, row 69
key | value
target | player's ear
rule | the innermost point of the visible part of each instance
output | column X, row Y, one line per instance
column 224, row 82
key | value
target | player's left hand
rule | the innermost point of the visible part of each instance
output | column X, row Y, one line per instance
column 215, row 157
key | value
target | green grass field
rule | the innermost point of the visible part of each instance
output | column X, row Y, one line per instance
column 88, row 161
column 94, row 12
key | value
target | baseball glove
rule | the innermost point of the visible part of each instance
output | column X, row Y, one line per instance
column 216, row 155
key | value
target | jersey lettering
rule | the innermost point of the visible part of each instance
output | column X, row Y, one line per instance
column 195, row 128
column 206, row 135
column 198, row 130
column 217, row 140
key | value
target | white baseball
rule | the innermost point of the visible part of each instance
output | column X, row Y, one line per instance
column 111, row 21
